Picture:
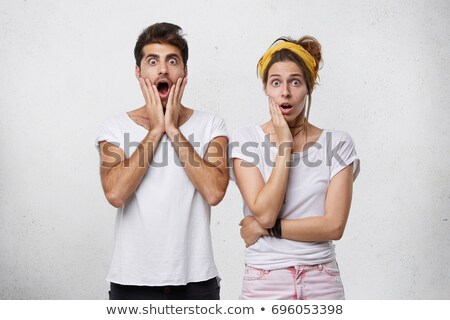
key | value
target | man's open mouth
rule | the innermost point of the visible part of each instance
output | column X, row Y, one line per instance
column 163, row 87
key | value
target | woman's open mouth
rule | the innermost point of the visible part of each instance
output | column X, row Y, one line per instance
column 285, row 108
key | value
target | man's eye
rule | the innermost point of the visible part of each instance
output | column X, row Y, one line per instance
column 173, row 61
column 152, row 62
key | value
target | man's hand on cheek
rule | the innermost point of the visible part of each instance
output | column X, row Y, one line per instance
column 173, row 106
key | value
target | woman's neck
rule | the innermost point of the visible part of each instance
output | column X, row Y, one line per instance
column 298, row 124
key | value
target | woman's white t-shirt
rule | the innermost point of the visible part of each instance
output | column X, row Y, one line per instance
column 309, row 177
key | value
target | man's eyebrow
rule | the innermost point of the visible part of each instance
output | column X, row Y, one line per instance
column 151, row 55
column 173, row 55
column 169, row 56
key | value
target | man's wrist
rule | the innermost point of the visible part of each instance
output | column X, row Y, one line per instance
column 172, row 133
column 155, row 134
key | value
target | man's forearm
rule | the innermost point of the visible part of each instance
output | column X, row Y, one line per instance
column 210, row 179
column 120, row 181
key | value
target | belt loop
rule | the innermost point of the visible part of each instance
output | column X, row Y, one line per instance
column 297, row 270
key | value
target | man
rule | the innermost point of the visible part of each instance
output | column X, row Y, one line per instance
column 163, row 166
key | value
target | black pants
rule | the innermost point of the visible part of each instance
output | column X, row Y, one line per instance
column 204, row 290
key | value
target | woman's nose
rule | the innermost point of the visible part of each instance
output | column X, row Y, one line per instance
column 285, row 91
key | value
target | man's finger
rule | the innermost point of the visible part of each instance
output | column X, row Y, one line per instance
column 170, row 99
column 183, row 85
column 156, row 95
column 144, row 89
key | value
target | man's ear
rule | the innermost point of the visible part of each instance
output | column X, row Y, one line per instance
column 185, row 71
column 137, row 72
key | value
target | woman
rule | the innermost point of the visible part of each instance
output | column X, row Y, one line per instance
column 296, row 182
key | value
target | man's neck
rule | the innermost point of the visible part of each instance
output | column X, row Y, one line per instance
column 184, row 115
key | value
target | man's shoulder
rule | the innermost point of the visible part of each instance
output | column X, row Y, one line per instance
column 114, row 120
column 204, row 114
column 205, row 117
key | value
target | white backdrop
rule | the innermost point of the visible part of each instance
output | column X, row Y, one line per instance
column 66, row 65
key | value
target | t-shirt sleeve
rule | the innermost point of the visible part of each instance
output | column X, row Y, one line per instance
column 243, row 146
column 218, row 128
column 106, row 133
column 342, row 155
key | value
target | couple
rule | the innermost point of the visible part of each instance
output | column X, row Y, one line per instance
column 164, row 165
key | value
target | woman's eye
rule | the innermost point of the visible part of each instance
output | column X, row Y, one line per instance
column 296, row 83
column 152, row 62
column 275, row 83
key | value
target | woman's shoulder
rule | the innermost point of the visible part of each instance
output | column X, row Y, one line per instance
column 252, row 132
column 337, row 135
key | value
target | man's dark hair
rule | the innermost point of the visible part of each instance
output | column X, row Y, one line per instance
column 163, row 33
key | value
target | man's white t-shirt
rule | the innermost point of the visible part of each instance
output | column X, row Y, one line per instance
column 162, row 232
column 309, row 177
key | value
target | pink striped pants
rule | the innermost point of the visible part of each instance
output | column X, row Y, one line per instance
column 316, row 282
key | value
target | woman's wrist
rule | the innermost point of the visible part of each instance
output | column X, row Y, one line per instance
column 275, row 231
column 285, row 149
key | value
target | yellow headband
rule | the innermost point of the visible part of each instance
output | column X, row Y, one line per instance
column 309, row 60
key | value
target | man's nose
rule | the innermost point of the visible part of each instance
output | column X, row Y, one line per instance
column 162, row 68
